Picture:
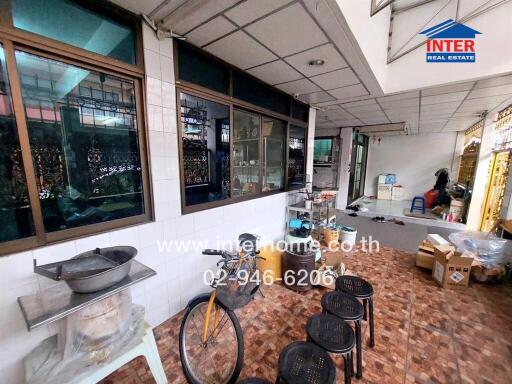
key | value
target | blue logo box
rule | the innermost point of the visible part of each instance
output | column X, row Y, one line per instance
column 447, row 57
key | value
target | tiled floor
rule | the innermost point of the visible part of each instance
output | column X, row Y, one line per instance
column 424, row 334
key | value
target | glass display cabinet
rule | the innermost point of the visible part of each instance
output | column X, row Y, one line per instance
column 246, row 153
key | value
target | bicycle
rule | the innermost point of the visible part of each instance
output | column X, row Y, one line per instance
column 211, row 339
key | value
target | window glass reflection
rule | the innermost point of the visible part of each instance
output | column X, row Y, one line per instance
column 246, row 153
column 274, row 137
column 15, row 212
column 296, row 157
column 67, row 21
column 84, row 141
column 206, row 164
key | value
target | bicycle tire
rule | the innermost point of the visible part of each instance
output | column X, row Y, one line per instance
column 239, row 336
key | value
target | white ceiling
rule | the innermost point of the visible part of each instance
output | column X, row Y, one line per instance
column 275, row 39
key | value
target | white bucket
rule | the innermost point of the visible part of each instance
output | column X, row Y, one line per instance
column 348, row 237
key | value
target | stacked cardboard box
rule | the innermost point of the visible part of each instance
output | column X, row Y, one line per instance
column 425, row 255
column 451, row 268
column 385, row 186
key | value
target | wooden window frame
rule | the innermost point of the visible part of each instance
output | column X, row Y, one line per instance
column 13, row 39
column 233, row 103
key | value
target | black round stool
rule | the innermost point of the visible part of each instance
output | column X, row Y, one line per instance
column 302, row 362
column 347, row 307
column 254, row 380
column 363, row 290
column 335, row 336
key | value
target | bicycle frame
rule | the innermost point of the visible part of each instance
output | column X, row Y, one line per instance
column 211, row 303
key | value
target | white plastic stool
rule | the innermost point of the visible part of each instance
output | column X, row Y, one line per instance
column 147, row 348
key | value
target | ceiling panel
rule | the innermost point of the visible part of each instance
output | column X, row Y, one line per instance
column 251, row 10
column 316, row 97
column 336, row 79
column 286, row 38
column 183, row 19
column 491, row 91
column 300, row 86
column 447, row 89
column 359, row 103
column 439, row 106
column 495, row 81
column 348, row 92
column 414, row 102
column 399, row 96
column 248, row 52
column 484, row 102
column 327, row 52
column 275, row 72
column 444, row 98
column 363, row 108
column 210, row 31
column 374, row 120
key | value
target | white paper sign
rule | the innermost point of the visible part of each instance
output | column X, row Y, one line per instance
column 457, row 277
column 439, row 271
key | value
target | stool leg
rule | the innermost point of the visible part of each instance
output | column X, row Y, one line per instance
column 346, row 368
column 352, row 363
column 359, row 348
column 365, row 311
column 372, row 330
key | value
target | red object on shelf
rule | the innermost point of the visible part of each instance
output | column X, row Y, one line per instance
column 431, row 198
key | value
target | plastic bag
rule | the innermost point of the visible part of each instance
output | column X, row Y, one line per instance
column 488, row 249
column 91, row 338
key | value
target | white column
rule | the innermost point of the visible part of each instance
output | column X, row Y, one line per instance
column 344, row 167
column 482, row 173
column 310, row 145
column 457, row 152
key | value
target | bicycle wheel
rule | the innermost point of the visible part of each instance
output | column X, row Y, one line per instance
column 220, row 359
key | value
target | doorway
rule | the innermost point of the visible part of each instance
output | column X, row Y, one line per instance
column 358, row 167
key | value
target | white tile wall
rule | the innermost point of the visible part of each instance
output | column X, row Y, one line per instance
column 179, row 273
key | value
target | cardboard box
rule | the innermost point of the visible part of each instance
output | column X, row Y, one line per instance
column 330, row 266
column 387, row 178
column 384, row 191
column 397, row 193
column 451, row 269
column 435, row 239
column 424, row 260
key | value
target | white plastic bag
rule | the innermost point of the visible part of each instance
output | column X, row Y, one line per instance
column 92, row 337
column 488, row 249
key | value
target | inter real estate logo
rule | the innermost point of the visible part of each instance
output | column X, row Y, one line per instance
column 450, row 42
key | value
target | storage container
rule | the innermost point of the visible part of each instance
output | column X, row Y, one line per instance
column 298, row 265
column 348, row 235
column 384, row 191
column 397, row 193
column 270, row 268
column 330, row 235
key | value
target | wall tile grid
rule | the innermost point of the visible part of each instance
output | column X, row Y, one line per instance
column 179, row 272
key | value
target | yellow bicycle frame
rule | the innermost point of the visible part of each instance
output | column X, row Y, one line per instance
column 211, row 302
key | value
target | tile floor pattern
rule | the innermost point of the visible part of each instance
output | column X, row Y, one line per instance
column 424, row 334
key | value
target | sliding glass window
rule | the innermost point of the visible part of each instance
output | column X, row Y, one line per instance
column 84, row 141
column 15, row 210
column 296, row 157
column 205, row 134
column 67, row 21
column 274, row 155
column 246, row 153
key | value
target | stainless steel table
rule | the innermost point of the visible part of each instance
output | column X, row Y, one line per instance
column 59, row 301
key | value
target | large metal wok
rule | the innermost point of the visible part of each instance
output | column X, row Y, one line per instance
column 93, row 270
